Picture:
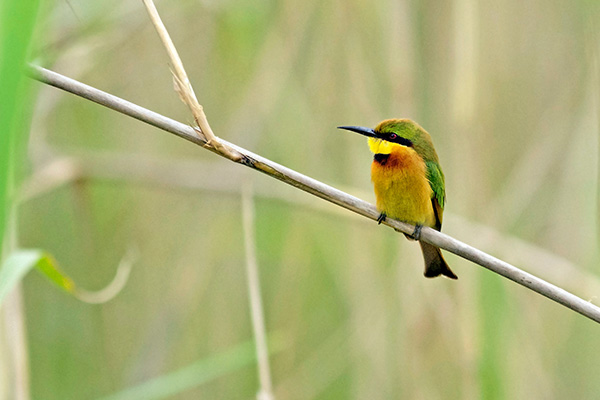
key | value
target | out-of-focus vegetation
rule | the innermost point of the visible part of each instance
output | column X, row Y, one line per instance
column 509, row 92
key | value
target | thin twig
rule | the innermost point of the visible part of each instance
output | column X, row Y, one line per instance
column 111, row 290
column 184, row 87
column 322, row 190
column 256, row 307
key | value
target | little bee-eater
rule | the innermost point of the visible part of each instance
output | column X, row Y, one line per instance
column 408, row 182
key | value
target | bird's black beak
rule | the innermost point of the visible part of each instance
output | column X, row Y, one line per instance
column 359, row 129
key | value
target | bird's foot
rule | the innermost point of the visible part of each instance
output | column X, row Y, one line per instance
column 381, row 218
column 416, row 235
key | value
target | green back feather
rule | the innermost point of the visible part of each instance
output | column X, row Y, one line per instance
column 436, row 181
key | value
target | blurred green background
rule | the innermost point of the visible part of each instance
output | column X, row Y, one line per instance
column 510, row 93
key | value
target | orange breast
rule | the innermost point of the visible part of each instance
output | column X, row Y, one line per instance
column 401, row 187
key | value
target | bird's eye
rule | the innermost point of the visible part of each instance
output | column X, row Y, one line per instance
column 393, row 136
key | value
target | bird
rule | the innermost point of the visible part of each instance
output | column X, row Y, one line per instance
column 408, row 182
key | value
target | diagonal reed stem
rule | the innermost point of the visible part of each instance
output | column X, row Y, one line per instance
column 321, row 190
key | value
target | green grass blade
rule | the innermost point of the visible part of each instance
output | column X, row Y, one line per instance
column 17, row 19
column 19, row 263
column 191, row 376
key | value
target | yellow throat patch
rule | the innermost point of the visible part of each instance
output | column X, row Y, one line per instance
column 379, row 146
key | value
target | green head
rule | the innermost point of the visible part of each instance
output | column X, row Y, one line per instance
column 392, row 134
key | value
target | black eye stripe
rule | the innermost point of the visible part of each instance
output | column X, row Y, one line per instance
column 404, row 142
column 394, row 138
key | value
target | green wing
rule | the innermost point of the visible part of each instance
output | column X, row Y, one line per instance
column 436, row 181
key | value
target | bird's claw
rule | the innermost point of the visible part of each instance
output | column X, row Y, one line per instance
column 416, row 235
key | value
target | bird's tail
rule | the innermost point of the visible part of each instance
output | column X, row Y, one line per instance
column 435, row 265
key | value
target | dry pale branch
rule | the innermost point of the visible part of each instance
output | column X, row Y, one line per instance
column 321, row 190
column 184, row 87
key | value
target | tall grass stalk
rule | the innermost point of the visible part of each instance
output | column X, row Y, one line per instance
column 17, row 21
column 255, row 299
